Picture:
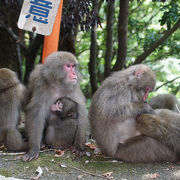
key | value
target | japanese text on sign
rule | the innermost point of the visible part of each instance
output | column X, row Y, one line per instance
column 38, row 15
column 40, row 10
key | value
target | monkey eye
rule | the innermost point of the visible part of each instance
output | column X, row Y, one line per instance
column 68, row 65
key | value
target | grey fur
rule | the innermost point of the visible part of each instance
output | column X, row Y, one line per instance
column 12, row 99
column 164, row 101
column 47, row 83
column 113, row 112
column 62, row 125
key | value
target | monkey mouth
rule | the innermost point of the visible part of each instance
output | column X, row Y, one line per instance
column 73, row 80
column 148, row 89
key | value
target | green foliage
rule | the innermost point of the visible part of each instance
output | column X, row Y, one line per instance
column 171, row 13
column 147, row 23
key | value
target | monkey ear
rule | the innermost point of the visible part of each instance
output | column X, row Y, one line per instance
column 138, row 73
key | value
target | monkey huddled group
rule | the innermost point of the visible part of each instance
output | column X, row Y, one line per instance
column 123, row 124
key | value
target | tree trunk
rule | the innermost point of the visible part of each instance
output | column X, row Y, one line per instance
column 93, row 55
column 92, row 62
column 122, row 35
column 31, row 54
column 8, row 58
column 109, row 38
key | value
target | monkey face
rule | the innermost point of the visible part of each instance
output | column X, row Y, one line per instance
column 71, row 75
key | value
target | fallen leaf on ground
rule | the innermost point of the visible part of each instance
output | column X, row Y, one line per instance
column 2, row 147
column 39, row 171
column 63, row 165
column 59, row 153
column 151, row 176
column 108, row 174
column 171, row 167
column 91, row 146
column 80, row 176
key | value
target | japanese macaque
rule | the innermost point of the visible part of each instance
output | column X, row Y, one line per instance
column 164, row 126
column 113, row 112
column 12, row 98
column 62, row 124
column 57, row 77
column 165, row 101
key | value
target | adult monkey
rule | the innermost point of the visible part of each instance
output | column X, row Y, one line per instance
column 12, row 100
column 114, row 108
column 163, row 125
column 56, row 78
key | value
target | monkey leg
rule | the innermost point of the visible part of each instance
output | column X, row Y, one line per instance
column 152, row 125
column 14, row 141
column 143, row 149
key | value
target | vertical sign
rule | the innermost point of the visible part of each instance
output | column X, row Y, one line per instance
column 38, row 16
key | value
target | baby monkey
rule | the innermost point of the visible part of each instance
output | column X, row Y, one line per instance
column 62, row 124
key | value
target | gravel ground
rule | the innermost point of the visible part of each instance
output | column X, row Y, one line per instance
column 69, row 167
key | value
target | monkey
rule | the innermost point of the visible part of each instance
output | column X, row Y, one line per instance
column 163, row 125
column 113, row 111
column 12, row 99
column 62, row 124
column 164, row 101
column 57, row 77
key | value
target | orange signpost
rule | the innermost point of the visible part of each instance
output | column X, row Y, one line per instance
column 51, row 42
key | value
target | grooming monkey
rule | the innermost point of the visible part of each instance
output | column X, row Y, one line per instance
column 12, row 98
column 57, row 77
column 164, row 126
column 62, row 124
column 113, row 112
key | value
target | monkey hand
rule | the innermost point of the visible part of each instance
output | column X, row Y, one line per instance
column 30, row 155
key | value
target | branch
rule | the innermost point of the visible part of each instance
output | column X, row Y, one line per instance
column 168, row 33
column 19, row 57
column 13, row 35
column 167, row 83
column 85, row 172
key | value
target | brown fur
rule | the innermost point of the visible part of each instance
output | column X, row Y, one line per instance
column 12, row 98
column 113, row 112
column 47, row 83
column 164, row 101
column 164, row 126
column 62, row 125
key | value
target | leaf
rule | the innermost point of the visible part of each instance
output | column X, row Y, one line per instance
column 108, row 174
column 59, row 153
column 151, row 176
column 91, row 146
column 63, row 165
column 39, row 171
column 80, row 176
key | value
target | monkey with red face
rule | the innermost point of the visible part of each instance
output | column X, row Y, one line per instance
column 57, row 77
column 113, row 112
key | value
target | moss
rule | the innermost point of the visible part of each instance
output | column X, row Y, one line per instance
column 5, row 172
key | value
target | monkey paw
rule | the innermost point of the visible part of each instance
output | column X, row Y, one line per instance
column 30, row 155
